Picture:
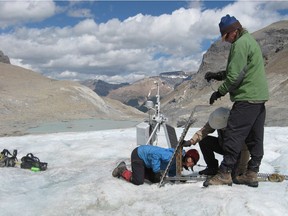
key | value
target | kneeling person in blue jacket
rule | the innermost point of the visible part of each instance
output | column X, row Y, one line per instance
column 148, row 161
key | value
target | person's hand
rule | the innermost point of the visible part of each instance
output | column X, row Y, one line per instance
column 193, row 142
column 186, row 143
column 209, row 76
column 216, row 76
column 214, row 97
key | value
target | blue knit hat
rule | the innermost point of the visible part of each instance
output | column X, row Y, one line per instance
column 228, row 24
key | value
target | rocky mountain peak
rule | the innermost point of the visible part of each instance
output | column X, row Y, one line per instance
column 4, row 58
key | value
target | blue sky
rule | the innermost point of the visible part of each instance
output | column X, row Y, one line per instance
column 120, row 41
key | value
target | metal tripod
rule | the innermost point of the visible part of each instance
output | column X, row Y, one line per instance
column 158, row 120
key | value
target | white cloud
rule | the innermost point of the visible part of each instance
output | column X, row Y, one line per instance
column 17, row 12
column 80, row 13
column 144, row 45
column 68, row 74
column 85, row 27
column 20, row 64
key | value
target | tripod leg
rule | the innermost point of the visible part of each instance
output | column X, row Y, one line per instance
column 153, row 133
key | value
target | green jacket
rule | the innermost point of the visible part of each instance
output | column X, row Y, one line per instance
column 245, row 77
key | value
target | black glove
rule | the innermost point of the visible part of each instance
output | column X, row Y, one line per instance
column 186, row 143
column 214, row 97
column 217, row 76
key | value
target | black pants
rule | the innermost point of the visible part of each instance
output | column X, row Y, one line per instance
column 208, row 146
column 140, row 172
column 245, row 125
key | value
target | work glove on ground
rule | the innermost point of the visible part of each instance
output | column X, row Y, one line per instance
column 186, row 143
column 214, row 97
column 216, row 76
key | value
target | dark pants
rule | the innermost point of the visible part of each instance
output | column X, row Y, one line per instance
column 208, row 146
column 245, row 125
column 140, row 172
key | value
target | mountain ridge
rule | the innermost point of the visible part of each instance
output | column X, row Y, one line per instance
column 27, row 99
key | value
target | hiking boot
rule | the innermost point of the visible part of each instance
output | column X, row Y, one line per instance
column 221, row 178
column 249, row 178
column 209, row 171
column 117, row 172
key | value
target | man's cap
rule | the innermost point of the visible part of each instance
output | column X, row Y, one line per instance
column 218, row 118
column 228, row 24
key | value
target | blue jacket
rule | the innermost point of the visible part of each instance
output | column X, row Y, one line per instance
column 157, row 158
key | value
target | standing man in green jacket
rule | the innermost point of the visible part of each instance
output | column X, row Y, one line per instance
column 245, row 81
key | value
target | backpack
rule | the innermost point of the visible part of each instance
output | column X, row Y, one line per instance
column 29, row 161
column 5, row 160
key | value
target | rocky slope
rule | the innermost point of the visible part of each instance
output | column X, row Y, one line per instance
column 28, row 98
column 139, row 92
column 101, row 87
column 4, row 58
